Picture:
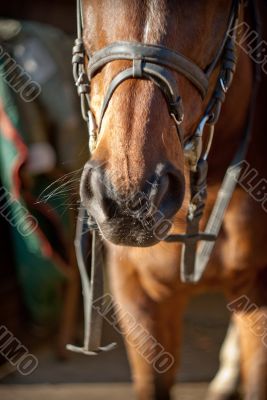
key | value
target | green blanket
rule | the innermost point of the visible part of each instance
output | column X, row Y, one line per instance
column 41, row 233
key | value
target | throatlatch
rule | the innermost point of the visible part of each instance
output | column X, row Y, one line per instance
column 156, row 63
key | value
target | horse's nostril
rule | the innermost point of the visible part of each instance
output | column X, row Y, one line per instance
column 110, row 207
column 159, row 190
column 166, row 190
column 86, row 185
column 92, row 184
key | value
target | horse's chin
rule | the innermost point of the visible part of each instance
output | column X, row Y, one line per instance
column 132, row 241
column 127, row 235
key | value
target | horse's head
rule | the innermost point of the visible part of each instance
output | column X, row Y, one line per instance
column 134, row 183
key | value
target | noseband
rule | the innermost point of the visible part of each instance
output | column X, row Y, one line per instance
column 157, row 64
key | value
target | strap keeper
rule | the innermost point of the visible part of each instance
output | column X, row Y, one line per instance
column 137, row 68
column 77, row 58
column 83, row 88
column 78, row 46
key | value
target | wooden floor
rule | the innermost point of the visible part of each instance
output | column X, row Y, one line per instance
column 107, row 376
column 189, row 391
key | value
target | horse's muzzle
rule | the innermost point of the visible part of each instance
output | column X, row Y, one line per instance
column 139, row 216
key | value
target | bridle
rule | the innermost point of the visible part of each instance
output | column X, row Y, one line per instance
column 157, row 63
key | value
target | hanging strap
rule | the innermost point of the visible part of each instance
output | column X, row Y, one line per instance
column 92, row 286
column 229, row 183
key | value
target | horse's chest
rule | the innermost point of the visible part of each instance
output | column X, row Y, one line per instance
column 242, row 241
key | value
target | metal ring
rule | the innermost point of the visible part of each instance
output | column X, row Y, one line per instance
column 224, row 88
column 211, row 134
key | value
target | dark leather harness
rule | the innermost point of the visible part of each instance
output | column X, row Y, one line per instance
column 157, row 63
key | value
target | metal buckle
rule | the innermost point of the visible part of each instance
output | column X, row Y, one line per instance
column 84, row 350
column 193, row 148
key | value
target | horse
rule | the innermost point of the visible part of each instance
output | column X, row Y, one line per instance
column 138, row 150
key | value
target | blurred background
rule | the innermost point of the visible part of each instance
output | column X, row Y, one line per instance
column 43, row 145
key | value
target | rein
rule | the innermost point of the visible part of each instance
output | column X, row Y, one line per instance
column 156, row 63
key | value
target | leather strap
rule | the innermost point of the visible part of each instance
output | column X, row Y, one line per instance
column 151, row 54
column 160, row 76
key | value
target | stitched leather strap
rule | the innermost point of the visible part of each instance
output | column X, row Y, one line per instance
column 151, row 54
